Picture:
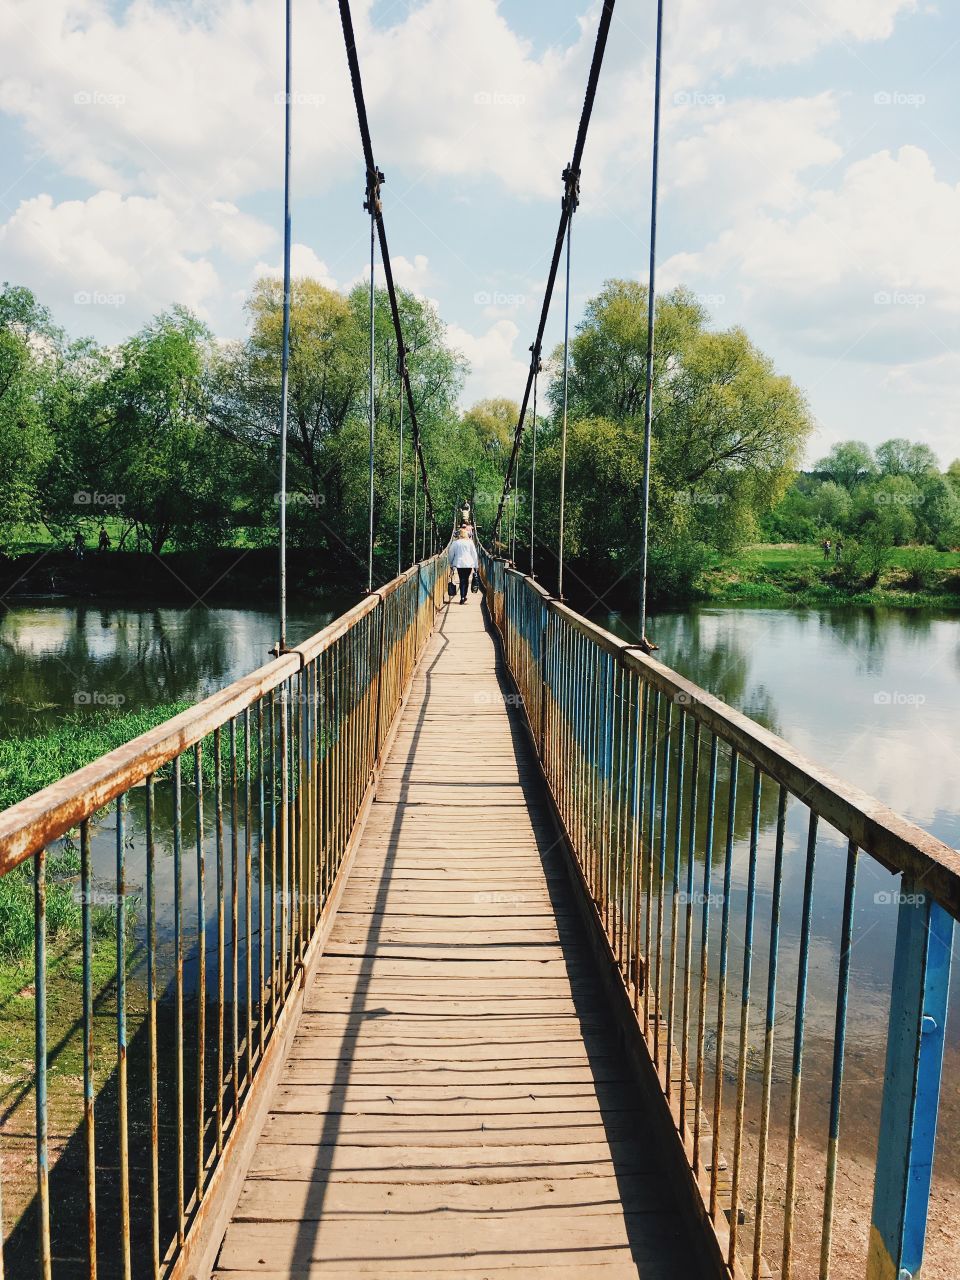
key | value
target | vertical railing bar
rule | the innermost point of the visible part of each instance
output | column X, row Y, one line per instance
column 201, row 968
column 234, row 921
column 248, row 886
column 221, row 931
column 178, row 983
column 675, row 898
column 639, row 784
column 688, row 925
column 664, row 793
column 653, row 734
column 89, row 1086
column 261, row 868
column 798, row 1034
column 274, row 854
column 124, row 1142
column 40, row 1060
column 152, row 1031
column 722, row 980
column 283, row 840
column 839, row 1045
column 704, row 950
column 748, row 923
column 769, row 1031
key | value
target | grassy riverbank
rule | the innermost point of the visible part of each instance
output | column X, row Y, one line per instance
column 793, row 573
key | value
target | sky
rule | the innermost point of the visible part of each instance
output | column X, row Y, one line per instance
column 810, row 173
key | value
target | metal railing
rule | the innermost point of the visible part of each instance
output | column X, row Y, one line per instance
column 698, row 834
column 208, row 851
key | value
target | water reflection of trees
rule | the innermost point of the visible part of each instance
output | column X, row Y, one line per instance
column 146, row 657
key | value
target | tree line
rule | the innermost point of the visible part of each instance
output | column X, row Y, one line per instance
column 174, row 435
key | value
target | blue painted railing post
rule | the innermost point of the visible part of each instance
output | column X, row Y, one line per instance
column 911, row 1087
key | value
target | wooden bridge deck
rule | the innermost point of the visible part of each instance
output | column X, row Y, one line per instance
column 454, row 1103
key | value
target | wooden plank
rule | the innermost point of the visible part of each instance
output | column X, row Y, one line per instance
column 453, row 1103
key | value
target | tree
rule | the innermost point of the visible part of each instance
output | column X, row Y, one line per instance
column 848, row 463
column 29, row 356
column 728, row 430
column 899, row 457
column 163, row 467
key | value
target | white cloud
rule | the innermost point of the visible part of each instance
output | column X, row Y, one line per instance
column 872, row 265
column 495, row 370
column 143, row 250
column 303, row 262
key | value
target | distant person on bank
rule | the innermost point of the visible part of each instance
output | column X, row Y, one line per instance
column 463, row 558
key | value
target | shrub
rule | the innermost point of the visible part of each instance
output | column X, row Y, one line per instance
column 923, row 569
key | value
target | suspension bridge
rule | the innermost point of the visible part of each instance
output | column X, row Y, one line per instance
column 461, row 942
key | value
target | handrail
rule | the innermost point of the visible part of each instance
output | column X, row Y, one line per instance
column 262, row 787
column 645, row 769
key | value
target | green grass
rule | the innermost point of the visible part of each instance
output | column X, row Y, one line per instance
column 796, row 573
column 31, row 761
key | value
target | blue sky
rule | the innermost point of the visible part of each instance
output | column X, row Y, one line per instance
column 811, row 173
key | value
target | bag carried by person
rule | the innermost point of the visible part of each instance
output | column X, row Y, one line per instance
column 452, row 588
column 474, row 583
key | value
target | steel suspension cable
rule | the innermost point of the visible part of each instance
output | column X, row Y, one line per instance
column 651, row 317
column 371, row 204
column 400, row 477
column 572, row 198
column 374, row 179
column 533, row 463
column 573, row 169
column 285, row 346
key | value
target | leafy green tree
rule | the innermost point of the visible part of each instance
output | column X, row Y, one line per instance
column 848, row 463
column 900, row 457
column 162, row 466
column 29, row 359
column 728, row 432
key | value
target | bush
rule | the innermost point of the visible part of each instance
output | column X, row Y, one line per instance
column 923, row 569
column 674, row 570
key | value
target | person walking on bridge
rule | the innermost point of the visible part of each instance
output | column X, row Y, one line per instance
column 463, row 558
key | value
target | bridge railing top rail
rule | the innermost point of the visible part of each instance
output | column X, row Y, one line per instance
column 899, row 844
column 44, row 817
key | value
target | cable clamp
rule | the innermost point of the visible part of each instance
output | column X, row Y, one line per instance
column 571, row 189
column 536, row 364
column 374, row 179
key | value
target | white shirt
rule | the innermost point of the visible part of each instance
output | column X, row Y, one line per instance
column 463, row 554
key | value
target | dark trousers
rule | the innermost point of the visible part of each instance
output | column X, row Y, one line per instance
column 464, row 582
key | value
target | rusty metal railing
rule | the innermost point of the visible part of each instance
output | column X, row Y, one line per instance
column 698, row 834
column 209, row 852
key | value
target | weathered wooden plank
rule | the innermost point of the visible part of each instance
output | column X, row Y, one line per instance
column 454, row 1103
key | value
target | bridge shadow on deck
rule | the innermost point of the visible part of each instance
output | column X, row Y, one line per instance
column 565, row 1180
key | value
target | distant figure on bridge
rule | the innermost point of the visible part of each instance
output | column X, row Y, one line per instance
column 463, row 558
